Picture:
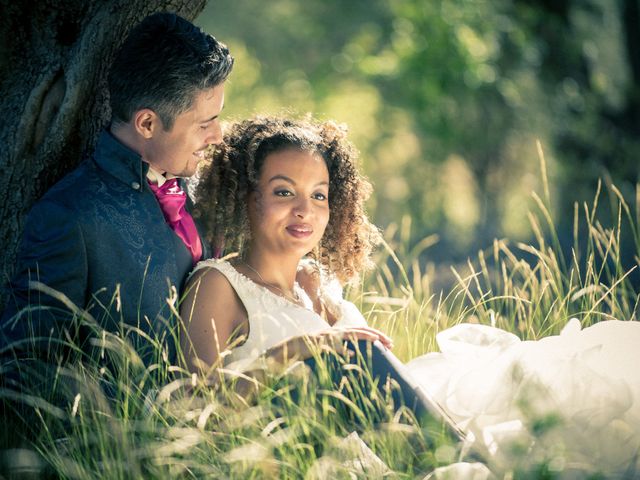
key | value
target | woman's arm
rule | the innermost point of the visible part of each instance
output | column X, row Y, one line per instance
column 303, row 347
column 211, row 312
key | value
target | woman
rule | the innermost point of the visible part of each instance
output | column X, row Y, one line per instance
column 283, row 190
column 268, row 192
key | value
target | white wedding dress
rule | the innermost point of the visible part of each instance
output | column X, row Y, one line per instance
column 571, row 400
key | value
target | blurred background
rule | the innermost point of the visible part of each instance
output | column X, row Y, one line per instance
column 445, row 100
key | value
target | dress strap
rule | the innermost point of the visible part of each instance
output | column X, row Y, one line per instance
column 254, row 297
column 242, row 285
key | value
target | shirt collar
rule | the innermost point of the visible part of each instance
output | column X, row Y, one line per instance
column 120, row 161
column 154, row 176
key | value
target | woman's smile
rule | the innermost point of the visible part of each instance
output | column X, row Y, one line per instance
column 300, row 230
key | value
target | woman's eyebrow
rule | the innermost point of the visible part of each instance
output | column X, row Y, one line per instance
column 281, row 177
column 292, row 182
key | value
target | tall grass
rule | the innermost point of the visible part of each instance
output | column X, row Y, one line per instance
column 129, row 420
column 528, row 289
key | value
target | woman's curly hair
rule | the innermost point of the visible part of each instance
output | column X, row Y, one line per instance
column 225, row 183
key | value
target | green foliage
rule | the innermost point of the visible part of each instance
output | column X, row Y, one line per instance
column 446, row 100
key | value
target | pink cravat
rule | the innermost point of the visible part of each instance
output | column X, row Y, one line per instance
column 172, row 199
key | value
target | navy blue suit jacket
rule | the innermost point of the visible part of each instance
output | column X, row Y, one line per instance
column 98, row 234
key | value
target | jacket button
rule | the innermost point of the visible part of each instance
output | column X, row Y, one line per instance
column 135, row 185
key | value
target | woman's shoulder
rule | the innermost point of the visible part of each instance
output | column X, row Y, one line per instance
column 308, row 277
column 209, row 272
column 212, row 264
column 210, row 288
column 214, row 277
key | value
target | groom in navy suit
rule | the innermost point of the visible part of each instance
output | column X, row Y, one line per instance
column 115, row 235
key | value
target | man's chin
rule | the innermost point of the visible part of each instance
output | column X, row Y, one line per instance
column 190, row 171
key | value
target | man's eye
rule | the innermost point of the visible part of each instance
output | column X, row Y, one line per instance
column 205, row 126
column 283, row 193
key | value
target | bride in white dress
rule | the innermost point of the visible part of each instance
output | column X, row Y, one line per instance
column 268, row 195
column 569, row 400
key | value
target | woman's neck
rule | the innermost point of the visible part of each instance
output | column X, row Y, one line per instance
column 276, row 271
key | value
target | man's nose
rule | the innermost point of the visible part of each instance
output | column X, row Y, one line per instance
column 214, row 136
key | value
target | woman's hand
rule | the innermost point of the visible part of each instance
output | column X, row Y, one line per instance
column 303, row 347
column 308, row 277
column 360, row 333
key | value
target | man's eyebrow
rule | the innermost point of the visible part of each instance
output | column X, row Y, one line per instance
column 214, row 117
column 210, row 119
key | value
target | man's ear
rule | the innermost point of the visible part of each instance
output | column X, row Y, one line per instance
column 146, row 122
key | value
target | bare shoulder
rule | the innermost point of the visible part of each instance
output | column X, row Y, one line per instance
column 209, row 279
column 211, row 313
column 209, row 291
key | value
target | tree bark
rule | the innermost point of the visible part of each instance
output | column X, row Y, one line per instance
column 54, row 60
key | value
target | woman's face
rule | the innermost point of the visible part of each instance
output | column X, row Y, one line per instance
column 289, row 210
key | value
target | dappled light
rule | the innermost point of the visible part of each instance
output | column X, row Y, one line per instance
column 421, row 83
column 502, row 142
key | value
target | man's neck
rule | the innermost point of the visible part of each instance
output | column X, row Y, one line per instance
column 124, row 134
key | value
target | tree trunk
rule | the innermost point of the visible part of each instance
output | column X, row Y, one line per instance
column 54, row 59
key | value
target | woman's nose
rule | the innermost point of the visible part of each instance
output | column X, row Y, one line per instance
column 302, row 208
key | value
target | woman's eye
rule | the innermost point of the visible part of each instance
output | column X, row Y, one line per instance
column 204, row 127
column 283, row 193
column 319, row 196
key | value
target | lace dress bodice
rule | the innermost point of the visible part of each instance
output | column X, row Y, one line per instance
column 272, row 318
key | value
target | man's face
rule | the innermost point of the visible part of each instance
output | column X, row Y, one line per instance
column 180, row 150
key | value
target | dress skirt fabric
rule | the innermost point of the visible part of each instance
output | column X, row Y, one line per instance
column 572, row 399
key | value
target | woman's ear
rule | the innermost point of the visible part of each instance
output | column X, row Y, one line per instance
column 253, row 201
column 252, row 207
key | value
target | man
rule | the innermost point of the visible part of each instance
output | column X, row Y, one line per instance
column 114, row 236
